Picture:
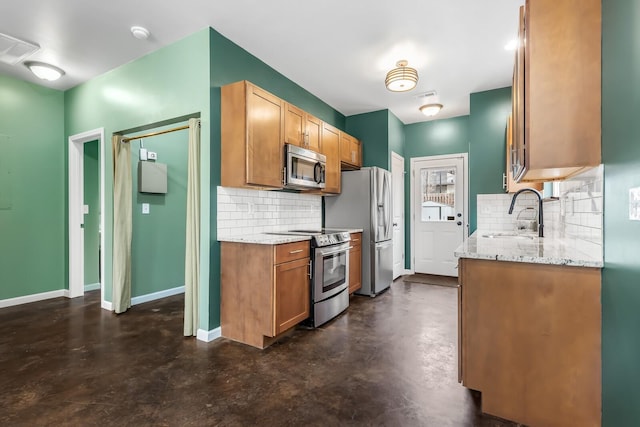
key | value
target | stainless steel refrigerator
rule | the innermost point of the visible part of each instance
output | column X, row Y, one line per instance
column 365, row 202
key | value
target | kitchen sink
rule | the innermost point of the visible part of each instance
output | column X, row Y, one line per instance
column 509, row 236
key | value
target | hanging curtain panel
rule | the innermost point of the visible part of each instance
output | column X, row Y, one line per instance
column 122, row 224
column 192, row 256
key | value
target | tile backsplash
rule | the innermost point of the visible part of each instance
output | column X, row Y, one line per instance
column 243, row 211
column 577, row 214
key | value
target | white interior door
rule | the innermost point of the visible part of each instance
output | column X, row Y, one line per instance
column 439, row 219
column 397, row 178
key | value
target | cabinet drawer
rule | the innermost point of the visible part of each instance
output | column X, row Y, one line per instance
column 292, row 251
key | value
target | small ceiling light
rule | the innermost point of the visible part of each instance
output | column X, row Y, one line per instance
column 401, row 79
column 140, row 33
column 512, row 45
column 430, row 110
column 44, row 71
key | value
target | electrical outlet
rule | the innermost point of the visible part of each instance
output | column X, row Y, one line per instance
column 152, row 155
column 145, row 208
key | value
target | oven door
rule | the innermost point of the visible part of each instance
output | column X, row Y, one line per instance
column 331, row 271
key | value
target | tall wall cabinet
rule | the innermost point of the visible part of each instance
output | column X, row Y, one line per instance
column 557, row 90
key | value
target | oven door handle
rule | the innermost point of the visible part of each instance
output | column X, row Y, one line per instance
column 337, row 251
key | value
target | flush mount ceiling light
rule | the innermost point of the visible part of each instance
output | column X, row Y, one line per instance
column 140, row 33
column 44, row 71
column 430, row 110
column 402, row 78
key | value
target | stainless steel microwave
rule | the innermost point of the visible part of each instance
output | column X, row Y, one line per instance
column 304, row 169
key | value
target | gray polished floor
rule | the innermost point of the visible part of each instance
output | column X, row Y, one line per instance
column 388, row 361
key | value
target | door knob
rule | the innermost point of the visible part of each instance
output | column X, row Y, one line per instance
column 459, row 222
column 395, row 224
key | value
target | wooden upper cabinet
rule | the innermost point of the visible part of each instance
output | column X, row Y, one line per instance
column 252, row 129
column 350, row 152
column 301, row 128
column 294, row 125
column 559, row 88
column 510, row 185
column 314, row 133
column 331, row 148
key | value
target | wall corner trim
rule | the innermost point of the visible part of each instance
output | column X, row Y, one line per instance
column 34, row 297
column 208, row 336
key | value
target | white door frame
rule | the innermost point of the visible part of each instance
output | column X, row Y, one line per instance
column 465, row 198
column 76, row 213
column 397, row 156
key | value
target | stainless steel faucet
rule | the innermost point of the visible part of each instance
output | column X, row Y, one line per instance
column 540, row 216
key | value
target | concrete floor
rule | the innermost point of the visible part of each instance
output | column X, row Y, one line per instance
column 388, row 361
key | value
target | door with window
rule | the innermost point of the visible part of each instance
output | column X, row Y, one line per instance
column 439, row 220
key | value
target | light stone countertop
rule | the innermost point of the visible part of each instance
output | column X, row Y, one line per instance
column 264, row 239
column 348, row 230
column 547, row 250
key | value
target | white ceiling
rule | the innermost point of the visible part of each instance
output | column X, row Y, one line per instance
column 339, row 50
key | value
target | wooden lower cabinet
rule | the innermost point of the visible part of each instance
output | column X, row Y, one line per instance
column 530, row 341
column 355, row 263
column 265, row 290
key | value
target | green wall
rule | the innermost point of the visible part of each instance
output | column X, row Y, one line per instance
column 91, row 177
column 487, row 131
column 158, row 243
column 162, row 86
column 621, row 158
column 396, row 136
column 32, row 189
column 230, row 63
column 433, row 138
column 373, row 130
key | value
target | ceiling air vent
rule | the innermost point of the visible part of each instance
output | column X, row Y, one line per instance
column 13, row 50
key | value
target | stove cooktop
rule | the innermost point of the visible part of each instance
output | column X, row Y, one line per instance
column 323, row 237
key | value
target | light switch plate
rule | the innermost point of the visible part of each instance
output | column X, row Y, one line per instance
column 634, row 204
column 85, row 209
column 145, row 208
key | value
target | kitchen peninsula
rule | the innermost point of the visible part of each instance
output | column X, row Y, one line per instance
column 530, row 328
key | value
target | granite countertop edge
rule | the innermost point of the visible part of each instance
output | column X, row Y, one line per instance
column 264, row 239
column 559, row 251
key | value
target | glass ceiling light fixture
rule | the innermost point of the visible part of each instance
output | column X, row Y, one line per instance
column 431, row 110
column 402, row 78
column 44, row 71
column 140, row 33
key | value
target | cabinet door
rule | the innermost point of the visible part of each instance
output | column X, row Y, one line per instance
column 511, row 185
column 264, row 138
column 294, row 125
column 331, row 149
column 291, row 294
column 346, row 148
column 313, row 133
column 357, row 151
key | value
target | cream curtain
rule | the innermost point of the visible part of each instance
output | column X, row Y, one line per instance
column 122, row 219
column 192, row 255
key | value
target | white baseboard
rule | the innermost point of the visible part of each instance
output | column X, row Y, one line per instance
column 407, row 272
column 157, row 295
column 92, row 287
column 34, row 297
column 106, row 305
column 208, row 336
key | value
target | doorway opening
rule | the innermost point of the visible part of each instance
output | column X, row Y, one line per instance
column 79, row 211
column 439, row 212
